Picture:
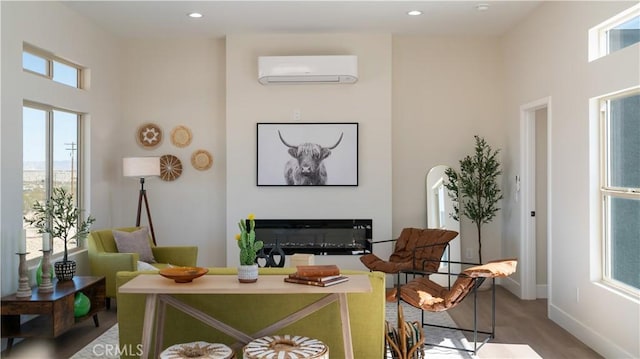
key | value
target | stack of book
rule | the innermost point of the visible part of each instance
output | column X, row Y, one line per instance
column 318, row 275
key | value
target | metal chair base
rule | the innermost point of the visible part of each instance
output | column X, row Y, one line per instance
column 476, row 344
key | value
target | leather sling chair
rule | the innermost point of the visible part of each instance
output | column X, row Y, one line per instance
column 427, row 295
column 415, row 249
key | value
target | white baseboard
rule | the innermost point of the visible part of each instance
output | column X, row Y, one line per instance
column 511, row 285
column 542, row 291
column 590, row 337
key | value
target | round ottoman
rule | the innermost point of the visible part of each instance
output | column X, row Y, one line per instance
column 198, row 350
column 285, row 347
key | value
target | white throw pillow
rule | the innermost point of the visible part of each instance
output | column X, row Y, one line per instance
column 135, row 242
column 144, row 266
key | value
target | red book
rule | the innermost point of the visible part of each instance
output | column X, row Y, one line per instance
column 318, row 270
column 330, row 282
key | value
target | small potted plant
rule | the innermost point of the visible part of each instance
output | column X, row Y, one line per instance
column 60, row 218
column 249, row 247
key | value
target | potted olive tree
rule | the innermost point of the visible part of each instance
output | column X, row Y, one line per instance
column 60, row 218
column 474, row 189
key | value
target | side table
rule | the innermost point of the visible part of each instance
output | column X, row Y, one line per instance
column 54, row 310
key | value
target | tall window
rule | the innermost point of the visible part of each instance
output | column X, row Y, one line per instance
column 51, row 151
column 620, row 189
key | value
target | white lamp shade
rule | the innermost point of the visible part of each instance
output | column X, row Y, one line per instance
column 141, row 166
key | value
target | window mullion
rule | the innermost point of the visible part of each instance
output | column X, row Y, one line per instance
column 49, row 69
column 621, row 193
column 79, row 162
column 49, row 155
column 606, row 232
column 604, row 163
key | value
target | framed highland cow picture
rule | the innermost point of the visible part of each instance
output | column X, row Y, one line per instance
column 307, row 154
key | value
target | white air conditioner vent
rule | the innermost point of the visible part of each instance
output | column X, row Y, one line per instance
column 341, row 69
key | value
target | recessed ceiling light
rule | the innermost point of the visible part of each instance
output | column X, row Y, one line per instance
column 414, row 13
column 195, row 15
column 482, row 7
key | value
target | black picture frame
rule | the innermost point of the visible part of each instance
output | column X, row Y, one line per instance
column 328, row 152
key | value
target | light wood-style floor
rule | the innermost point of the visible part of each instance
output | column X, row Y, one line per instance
column 517, row 322
column 522, row 322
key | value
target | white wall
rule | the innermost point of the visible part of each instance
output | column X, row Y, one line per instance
column 55, row 28
column 440, row 91
column 446, row 89
column 546, row 55
column 367, row 102
column 173, row 82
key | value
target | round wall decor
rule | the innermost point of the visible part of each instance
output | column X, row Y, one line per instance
column 201, row 160
column 149, row 135
column 170, row 167
column 181, row 136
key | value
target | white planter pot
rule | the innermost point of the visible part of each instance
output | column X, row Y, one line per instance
column 248, row 274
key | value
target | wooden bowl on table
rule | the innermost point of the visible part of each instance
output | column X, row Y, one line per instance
column 183, row 274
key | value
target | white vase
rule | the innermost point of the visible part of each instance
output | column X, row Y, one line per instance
column 248, row 273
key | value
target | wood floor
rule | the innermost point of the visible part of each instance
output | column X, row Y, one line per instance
column 517, row 322
column 68, row 343
column 522, row 322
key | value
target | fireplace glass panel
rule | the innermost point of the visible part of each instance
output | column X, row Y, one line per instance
column 342, row 237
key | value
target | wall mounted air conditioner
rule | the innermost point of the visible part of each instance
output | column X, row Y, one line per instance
column 341, row 69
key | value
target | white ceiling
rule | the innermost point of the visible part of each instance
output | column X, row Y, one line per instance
column 161, row 19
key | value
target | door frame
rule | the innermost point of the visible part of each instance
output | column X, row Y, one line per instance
column 528, row 190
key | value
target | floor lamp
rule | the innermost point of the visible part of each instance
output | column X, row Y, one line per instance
column 142, row 167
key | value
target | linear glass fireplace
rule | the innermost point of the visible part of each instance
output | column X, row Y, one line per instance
column 316, row 236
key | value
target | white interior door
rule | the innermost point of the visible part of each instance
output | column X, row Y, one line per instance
column 535, row 214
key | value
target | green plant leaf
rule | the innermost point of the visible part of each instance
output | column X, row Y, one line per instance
column 474, row 189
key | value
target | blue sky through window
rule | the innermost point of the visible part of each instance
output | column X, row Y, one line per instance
column 34, row 63
column 630, row 25
column 65, row 74
column 62, row 73
column 34, row 129
column 35, row 120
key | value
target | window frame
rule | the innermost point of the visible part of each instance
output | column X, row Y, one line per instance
column 50, row 58
column 608, row 192
column 598, row 38
column 49, row 170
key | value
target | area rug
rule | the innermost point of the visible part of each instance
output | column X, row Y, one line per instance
column 445, row 337
column 104, row 346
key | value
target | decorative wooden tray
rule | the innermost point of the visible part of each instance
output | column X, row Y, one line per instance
column 183, row 274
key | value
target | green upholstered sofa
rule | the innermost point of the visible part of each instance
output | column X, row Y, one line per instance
column 106, row 261
column 250, row 313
